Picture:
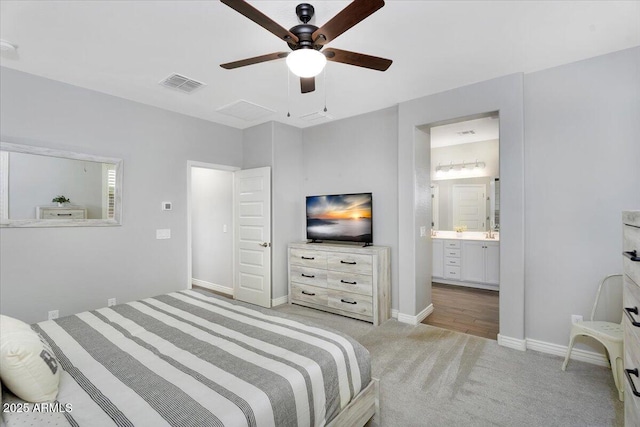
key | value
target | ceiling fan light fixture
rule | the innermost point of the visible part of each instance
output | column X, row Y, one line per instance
column 306, row 62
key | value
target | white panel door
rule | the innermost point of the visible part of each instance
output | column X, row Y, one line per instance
column 470, row 206
column 252, row 193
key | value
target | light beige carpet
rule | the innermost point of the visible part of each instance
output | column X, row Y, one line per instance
column 435, row 377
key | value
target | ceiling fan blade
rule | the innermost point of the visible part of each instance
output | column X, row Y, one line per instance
column 254, row 60
column 357, row 11
column 307, row 84
column 357, row 59
column 261, row 19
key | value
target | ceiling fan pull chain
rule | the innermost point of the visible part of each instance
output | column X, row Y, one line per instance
column 288, row 92
column 325, row 89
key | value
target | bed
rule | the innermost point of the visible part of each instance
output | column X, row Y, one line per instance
column 192, row 358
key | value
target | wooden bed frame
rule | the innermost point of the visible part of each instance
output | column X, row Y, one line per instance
column 364, row 407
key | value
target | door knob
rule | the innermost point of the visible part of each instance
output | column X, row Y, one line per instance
column 265, row 244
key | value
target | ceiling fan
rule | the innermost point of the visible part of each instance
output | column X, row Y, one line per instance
column 306, row 40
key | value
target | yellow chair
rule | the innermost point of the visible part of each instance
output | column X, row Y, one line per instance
column 608, row 333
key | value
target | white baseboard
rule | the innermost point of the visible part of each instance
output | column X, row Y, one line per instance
column 556, row 349
column 561, row 350
column 280, row 300
column 515, row 343
column 212, row 286
column 414, row 320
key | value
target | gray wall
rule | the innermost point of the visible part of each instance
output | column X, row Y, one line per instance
column 76, row 269
column 288, row 203
column 211, row 210
column 357, row 155
column 582, row 163
column 503, row 94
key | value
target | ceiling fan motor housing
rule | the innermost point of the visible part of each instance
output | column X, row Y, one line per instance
column 304, row 32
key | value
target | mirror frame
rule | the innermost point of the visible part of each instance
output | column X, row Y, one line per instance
column 42, row 151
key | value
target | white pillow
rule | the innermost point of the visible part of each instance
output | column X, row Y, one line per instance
column 28, row 367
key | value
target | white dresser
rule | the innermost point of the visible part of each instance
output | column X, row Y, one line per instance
column 64, row 212
column 631, row 297
column 350, row 280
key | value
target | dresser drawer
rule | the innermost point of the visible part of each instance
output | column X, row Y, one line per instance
column 631, row 361
column 353, row 303
column 307, row 293
column 631, row 242
column 351, row 263
column 62, row 214
column 452, row 261
column 308, row 276
column 451, row 272
column 452, row 244
column 357, row 283
column 308, row 258
column 631, row 299
column 452, row 253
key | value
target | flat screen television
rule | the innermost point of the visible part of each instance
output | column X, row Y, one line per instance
column 340, row 217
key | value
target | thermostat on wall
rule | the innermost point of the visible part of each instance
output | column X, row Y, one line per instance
column 166, row 206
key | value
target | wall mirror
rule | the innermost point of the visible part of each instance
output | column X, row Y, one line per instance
column 42, row 187
column 473, row 202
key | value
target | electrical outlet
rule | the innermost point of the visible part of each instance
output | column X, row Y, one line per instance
column 164, row 233
column 576, row 318
column 53, row 314
column 111, row 302
column 224, row 228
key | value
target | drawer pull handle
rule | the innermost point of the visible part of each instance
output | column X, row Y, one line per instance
column 310, row 276
column 632, row 255
column 310, row 257
column 308, row 293
column 348, row 283
column 64, row 214
column 628, row 373
column 348, row 301
column 348, row 262
column 634, row 310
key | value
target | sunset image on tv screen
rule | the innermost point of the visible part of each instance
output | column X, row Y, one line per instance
column 345, row 217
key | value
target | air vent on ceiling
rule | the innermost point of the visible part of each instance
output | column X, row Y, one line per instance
column 181, row 83
column 316, row 116
column 467, row 132
column 245, row 110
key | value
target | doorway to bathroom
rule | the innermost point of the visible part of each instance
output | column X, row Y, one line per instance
column 465, row 226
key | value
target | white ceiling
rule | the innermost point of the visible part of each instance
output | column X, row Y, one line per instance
column 124, row 48
column 484, row 129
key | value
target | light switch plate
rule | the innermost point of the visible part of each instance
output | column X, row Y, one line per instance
column 423, row 231
column 163, row 233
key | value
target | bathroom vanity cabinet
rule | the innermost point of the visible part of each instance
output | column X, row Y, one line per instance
column 469, row 260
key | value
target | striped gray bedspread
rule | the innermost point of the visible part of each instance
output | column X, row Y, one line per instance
column 193, row 359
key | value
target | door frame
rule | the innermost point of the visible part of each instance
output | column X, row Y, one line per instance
column 191, row 164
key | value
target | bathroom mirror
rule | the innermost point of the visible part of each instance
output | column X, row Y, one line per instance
column 42, row 187
column 470, row 202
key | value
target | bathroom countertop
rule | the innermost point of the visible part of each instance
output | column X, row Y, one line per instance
column 466, row 235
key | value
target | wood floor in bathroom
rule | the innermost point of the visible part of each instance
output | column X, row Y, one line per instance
column 468, row 310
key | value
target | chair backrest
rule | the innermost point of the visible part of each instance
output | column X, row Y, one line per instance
column 608, row 303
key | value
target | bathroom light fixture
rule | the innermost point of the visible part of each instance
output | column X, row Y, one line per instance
column 306, row 62
column 460, row 166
